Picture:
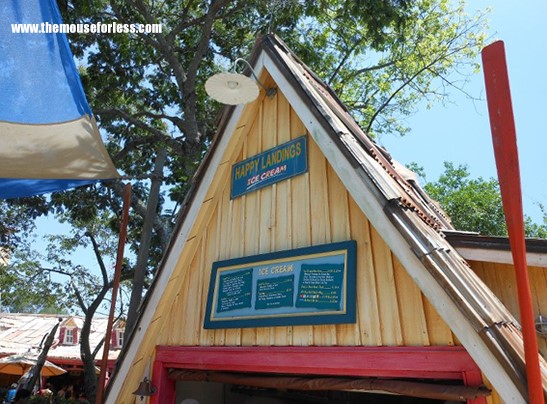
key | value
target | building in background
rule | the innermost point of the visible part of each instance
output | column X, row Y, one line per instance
column 26, row 333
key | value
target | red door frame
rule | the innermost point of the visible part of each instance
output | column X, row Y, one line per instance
column 449, row 363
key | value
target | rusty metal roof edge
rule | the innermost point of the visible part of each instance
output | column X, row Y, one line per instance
column 415, row 198
column 507, row 346
column 476, row 240
column 338, row 132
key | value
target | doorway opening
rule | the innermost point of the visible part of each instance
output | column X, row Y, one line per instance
column 291, row 375
column 220, row 393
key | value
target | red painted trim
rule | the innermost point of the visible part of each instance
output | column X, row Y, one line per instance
column 414, row 362
column 165, row 387
column 474, row 378
column 449, row 363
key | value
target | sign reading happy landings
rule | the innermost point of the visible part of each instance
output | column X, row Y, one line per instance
column 267, row 168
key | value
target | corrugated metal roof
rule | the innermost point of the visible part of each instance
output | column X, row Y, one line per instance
column 475, row 240
column 476, row 247
column 418, row 218
column 20, row 333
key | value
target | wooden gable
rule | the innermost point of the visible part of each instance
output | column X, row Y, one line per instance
column 407, row 279
column 310, row 209
column 69, row 322
column 307, row 210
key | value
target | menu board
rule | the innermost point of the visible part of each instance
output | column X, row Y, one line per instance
column 320, row 286
column 313, row 285
column 274, row 292
column 235, row 290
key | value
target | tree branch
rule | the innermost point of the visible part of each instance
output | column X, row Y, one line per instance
column 451, row 84
column 160, row 226
column 343, row 61
column 132, row 119
column 189, row 85
column 163, row 45
column 409, row 80
column 99, row 257
column 146, row 237
column 79, row 297
column 156, row 134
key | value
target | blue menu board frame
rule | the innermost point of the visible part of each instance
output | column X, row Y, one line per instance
column 306, row 286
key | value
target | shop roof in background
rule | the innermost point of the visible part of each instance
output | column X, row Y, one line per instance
column 21, row 333
column 49, row 137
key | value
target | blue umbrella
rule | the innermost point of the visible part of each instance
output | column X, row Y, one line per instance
column 49, row 140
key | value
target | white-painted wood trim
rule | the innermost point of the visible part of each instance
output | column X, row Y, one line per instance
column 373, row 209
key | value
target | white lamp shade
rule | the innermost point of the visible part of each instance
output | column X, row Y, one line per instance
column 232, row 88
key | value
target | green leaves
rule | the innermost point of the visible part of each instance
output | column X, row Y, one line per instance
column 26, row 288
column 383, row 64
column 474, row 204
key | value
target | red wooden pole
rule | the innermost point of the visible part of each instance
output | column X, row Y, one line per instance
column 115, row 287
column 505, row 150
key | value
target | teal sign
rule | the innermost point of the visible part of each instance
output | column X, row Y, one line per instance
column 314, row 285
column 274, row 165
column 320, row 286
column 235, row 290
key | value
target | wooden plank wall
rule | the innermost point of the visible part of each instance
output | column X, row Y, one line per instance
column 501, row 279
column 310, row 209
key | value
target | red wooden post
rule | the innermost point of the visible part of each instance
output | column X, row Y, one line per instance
column 502, row 125
column 474, row 378
column 115, row 287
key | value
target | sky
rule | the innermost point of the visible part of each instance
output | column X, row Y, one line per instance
column 460, row 133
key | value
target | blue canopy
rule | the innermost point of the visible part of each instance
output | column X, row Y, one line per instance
column 49, row 140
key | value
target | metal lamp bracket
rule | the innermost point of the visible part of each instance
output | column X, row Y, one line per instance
column 270, row 92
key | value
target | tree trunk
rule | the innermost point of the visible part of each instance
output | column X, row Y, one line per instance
column 88, row 357
column 146, row 236
column 37, row 369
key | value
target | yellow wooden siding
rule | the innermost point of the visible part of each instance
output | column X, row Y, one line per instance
column 501, row 279
column 310, row 209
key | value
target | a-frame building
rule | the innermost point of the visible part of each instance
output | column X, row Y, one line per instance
column 306, row 258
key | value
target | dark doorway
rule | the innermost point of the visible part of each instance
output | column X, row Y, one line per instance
column 219, row 393
column 329, row 397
